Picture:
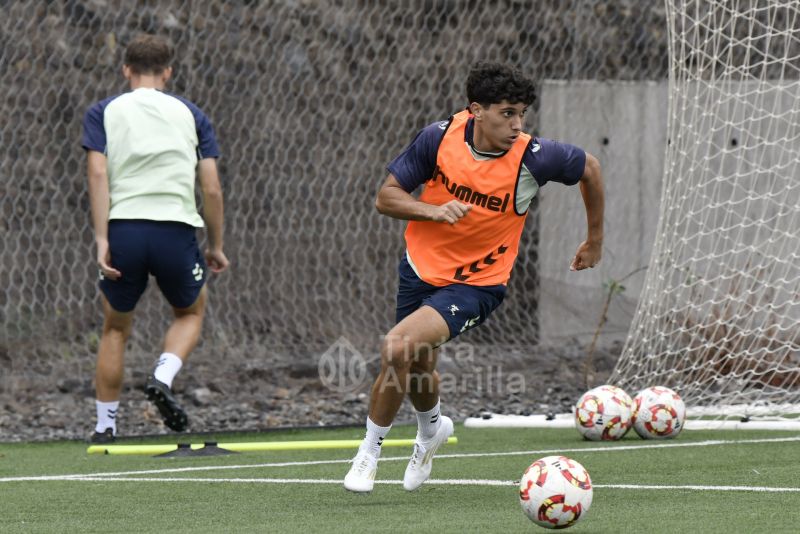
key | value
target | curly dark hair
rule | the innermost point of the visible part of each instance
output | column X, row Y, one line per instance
column 491, row 83
column 148, row 54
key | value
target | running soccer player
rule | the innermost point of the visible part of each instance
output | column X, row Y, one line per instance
column 145, row 148
column 480, row 172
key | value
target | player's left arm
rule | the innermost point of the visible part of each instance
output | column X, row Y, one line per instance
column 213, row 213
column 591, row 185
column 208, row 176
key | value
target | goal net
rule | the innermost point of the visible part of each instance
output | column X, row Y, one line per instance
column 719, row 315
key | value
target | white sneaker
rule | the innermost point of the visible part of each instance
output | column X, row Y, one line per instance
column 419, row 467
column 361, row 477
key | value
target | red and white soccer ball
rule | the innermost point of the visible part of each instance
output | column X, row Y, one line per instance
column 604, row 413
column 555, row 492
column 658, row 413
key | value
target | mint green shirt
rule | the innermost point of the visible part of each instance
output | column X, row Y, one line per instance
column 152, row 141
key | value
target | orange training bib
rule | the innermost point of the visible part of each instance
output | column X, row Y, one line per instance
column 480, row 249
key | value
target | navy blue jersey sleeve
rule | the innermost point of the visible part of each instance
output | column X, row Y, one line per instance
column 94, row 131
column 415, row 165
column 206, row 138
column 551, row 161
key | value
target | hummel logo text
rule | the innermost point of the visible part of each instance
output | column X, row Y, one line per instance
column 466, row 194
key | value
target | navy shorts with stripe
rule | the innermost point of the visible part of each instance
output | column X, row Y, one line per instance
column 462, row 306
column 167, row 250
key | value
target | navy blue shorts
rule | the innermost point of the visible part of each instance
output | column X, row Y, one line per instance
column 462, row 306
column 167, row 250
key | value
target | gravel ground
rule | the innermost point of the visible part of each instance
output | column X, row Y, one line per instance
column 260, row 398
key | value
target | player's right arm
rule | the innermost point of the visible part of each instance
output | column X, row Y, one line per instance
column 412, row 168
column 100, row 202
column 393, row 200
column 213, row 213
column 94, row 142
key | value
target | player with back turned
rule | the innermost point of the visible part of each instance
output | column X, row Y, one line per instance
column 480, row 172
column 145, row 150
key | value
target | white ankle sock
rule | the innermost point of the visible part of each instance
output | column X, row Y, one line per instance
column 106, row 416
column 167, row 367
column 428, row 422
column 375, row 436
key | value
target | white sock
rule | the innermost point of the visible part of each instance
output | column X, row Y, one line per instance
column 167, row 367
column 106, row 416
column 375, row 436
column 428, row 422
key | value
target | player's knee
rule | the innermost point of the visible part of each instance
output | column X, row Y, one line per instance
column 117, row 328
column 196, row 309
column 189, row 313
column 397, row 352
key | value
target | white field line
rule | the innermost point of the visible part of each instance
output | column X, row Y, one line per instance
column 609, row 448
column 434, row 482
column 448, row 482
column 699, row 488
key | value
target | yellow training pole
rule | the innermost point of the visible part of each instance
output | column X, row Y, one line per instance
column 252, row 446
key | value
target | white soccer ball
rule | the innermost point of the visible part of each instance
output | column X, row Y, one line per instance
column 555, row 492
column 658, row 413
column 604, row 413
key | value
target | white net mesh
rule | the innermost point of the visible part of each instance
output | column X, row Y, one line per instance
column 718, row 318
column 310, row 101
